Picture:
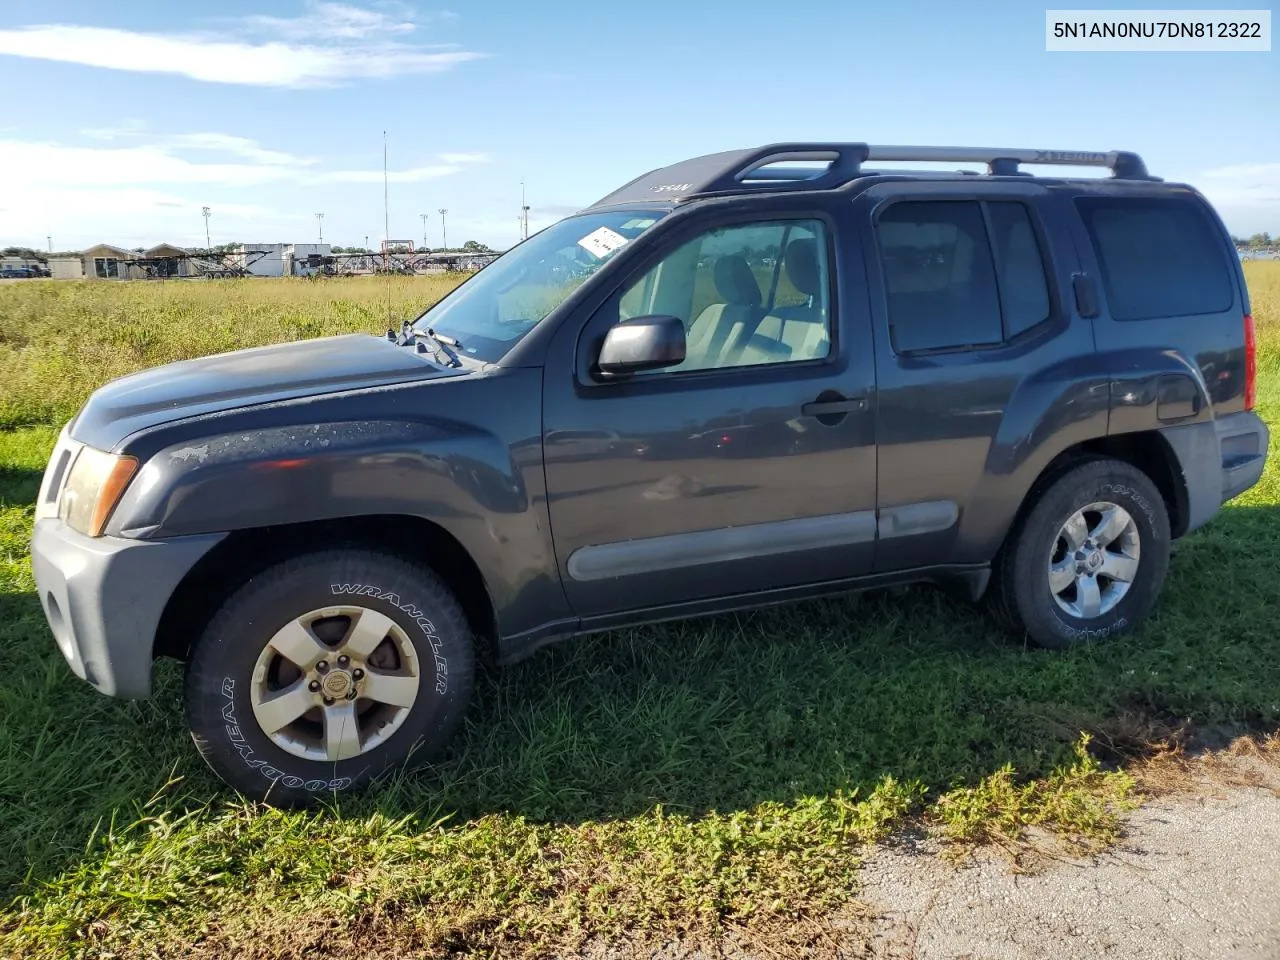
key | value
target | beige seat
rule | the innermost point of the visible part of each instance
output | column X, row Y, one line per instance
column 718, row 327
column 802, row 328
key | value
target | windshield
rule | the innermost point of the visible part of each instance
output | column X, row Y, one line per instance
column 489, row 313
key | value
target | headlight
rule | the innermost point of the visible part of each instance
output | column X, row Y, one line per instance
column 93, row 489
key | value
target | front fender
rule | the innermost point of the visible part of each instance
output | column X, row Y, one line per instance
column 483, row 487
column 325, row 471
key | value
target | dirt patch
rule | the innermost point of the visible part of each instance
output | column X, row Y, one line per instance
column 1248, row 761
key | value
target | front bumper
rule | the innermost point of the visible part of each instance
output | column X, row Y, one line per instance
column 103, row 598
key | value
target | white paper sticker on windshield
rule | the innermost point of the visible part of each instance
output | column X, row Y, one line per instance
column 602, row 242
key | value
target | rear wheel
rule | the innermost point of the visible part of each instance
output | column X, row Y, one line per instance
column 326, row 671
column 1088, row 560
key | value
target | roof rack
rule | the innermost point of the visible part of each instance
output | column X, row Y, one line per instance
column 736, row 171
column 1124, row 165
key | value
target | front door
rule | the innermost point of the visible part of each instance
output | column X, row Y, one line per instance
column 749, row 466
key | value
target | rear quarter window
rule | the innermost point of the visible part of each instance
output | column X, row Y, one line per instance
column 1159, row 257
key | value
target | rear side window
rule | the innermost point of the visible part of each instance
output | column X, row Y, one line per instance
column 960, row 273
column 1159, row 257
column 1024, row 290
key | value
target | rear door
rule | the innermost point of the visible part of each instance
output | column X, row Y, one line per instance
column 728, row 474
column 969, row 311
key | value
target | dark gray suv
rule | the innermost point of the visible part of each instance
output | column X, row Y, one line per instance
column 746, row 378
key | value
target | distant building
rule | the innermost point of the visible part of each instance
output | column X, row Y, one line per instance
column 103, row 262
column 107, row 262
column 278, row 259
column 168, row 261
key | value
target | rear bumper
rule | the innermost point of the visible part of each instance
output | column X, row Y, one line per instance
column 103, row 598
column 1219, row 459
column 1242, row 443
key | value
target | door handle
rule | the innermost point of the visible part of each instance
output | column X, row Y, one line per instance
column 825, row 408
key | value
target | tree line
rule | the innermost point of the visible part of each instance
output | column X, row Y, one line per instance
column 1259, row 241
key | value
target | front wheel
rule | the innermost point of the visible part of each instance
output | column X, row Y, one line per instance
column 1088, row 560
column 326, row 671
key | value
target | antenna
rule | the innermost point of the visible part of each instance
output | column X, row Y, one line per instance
column 524, row 214
column 320, row 225
column 386, row 224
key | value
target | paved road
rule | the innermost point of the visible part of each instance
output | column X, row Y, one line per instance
column 1196, row 877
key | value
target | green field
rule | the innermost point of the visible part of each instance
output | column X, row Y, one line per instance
column 718, row 774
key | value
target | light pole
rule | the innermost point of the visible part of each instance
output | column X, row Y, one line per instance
column 49, row 237
column 204, row 212
column 320, row 225
column 444, row 236
column 424, row 227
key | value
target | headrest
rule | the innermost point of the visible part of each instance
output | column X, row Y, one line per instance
column 735, row 282
column 801, row 261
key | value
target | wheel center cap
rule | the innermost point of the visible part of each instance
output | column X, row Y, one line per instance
column 336, row 683
column 1095, row 560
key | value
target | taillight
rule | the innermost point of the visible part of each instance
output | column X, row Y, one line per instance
column 1250, row 363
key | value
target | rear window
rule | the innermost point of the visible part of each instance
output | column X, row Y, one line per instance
column 1160, row 257
column 961, row 273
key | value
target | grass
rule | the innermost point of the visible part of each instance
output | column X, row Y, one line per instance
column 691, row 779
column 60, row 341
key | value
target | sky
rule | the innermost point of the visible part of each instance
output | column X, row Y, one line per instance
column 123, row 120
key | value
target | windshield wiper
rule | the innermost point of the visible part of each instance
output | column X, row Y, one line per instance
column 440, row 338
column 440, row 343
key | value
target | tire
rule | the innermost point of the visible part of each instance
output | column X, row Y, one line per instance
column 1035, row 559
column 329, row 605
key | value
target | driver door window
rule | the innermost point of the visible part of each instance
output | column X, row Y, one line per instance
column 748, row 294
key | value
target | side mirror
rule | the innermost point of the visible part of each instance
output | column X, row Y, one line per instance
column 642, row 343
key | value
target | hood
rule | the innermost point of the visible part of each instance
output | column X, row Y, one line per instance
column 243, row 378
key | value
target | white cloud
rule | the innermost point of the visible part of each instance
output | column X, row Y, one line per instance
column 464, row 158
column 125, row 128
column 1246, row 195
column 338, row 21
column 451, row 163
column 210, row 142
column 1243, row 182
column 129, row 217
column 331, row 43
column 135, row 194
column 237, row 146
column 157, row 163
